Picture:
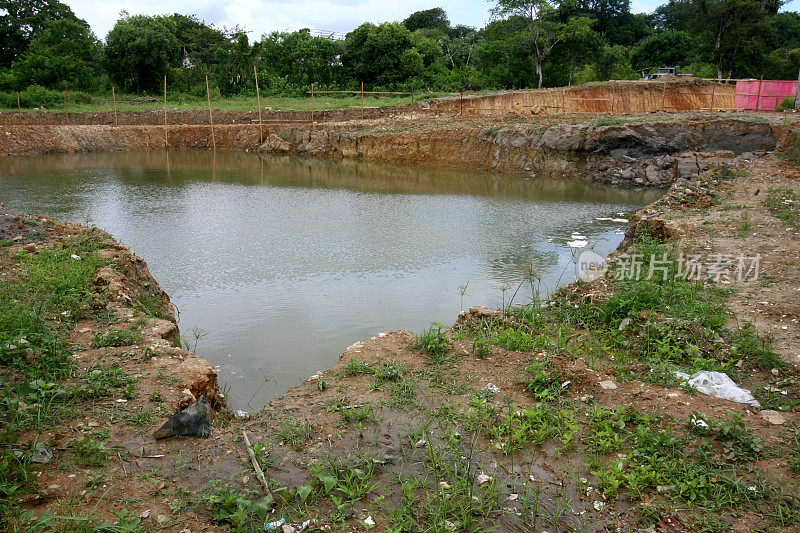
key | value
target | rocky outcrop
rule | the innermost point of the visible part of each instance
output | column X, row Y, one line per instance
column 640, row 154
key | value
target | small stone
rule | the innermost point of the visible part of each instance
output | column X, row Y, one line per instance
column 586, row 398
column 93, row 424
column 162, row 519
column 369, row 522
column 30, row 247
column 421, row 443
column 245, row 480
column 774, row 371
column 483, row 479
column 773, row 417
column 608, row 384
column 53, row 487
column 287, row 528
column 598, row 505
column 144, row 514
column 444, row 485
column 494, row 389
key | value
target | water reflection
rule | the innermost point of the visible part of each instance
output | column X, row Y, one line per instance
column 285, row 261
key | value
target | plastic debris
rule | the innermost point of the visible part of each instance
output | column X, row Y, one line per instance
column 483, row 479
column 578, row 243
column 718, row 385
column 274, row 525
column 40, row 455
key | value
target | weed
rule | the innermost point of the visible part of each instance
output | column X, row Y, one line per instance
column 294, row 433
column 357, row 368
column 541, row 383
column 784, row 204
column 116, row 337
column 434, row 342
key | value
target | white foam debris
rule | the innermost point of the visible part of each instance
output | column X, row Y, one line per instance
column 577, row 243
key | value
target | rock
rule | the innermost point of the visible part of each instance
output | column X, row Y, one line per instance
column 494, row 389
column 162, row 519
column 747, row 156
column 444, row 485
column 193, row 421
column 608, row 384
column 273, row 143
column 144, row 514
column 688, row 167
column 30, row 247
column 773, row 417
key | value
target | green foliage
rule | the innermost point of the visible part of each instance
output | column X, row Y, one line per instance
column 784, row 204
column 434, row 342
column 786, row 104
column 116, row 337
column 139, row 50
column 64, row 54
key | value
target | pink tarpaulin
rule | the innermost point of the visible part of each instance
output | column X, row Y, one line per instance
column 772, row 93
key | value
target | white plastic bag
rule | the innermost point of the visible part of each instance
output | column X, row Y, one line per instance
column 718, row 385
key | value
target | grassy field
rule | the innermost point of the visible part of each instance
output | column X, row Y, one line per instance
column 131, row 103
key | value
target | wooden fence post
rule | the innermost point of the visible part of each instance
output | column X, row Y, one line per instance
column 758, row 98
column 664, row 96
column 312, row 103
column 210, row 117
column 66, row 111
column 412, row 101
column 166, row 141
column 564, row 100
column 796, row 94
column 461, row 100
column 114, row 99
column 362, row 100
column 613, row 95
column 258, row 98
column 713, row 92
column 19, row 109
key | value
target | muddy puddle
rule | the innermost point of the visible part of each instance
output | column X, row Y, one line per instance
column 278, row 264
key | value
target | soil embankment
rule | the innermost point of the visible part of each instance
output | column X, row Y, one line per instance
column 631, row 152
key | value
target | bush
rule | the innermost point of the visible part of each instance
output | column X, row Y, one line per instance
column 38, row 96
column 786, row 104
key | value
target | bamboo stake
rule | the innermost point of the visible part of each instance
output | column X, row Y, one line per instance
column 166, row 141
column 613, row 95
column 362, row 100
column 312, row 103
column 66, row 111
column 796, row 94
column 664, row 97
column 258, row 97
column 564, row 100
column 256, row 466
column 412, row 101
column 713, row 92
column 114, row 98
column 19, row 109
column 461, row 101
column 210, row 117
column 758, row 98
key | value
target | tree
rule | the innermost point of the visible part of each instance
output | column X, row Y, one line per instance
column 665, row 48
column 64, row 51
column 23, row 20
column 139, row 51
column 380, row 55
column 198, row 40
column 301, row 58
column 435, row 18
column 543, row 30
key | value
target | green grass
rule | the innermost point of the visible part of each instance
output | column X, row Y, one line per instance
column 435, row 343
column 133, row 103
column 784, row 204
column 117, row 337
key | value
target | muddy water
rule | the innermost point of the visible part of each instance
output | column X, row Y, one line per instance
column 280, row 263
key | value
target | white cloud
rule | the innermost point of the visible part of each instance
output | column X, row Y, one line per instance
column 264, row 16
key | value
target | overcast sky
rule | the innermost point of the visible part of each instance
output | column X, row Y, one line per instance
column 264, row 16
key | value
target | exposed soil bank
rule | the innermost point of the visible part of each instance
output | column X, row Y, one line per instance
column 646, row 152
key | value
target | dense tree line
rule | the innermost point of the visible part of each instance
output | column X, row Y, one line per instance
column 528, row 43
